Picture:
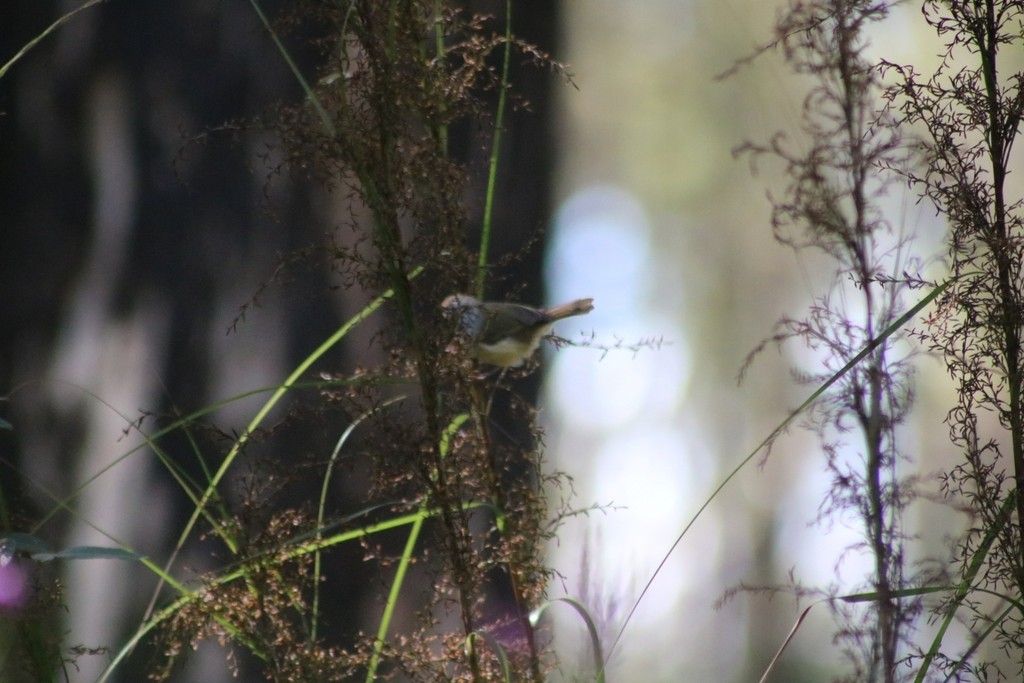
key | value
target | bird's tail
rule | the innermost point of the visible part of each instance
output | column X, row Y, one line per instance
column 578, row 307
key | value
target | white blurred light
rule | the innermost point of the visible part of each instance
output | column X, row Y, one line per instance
column 596, row 390
column 600, row 250
column 620, row 407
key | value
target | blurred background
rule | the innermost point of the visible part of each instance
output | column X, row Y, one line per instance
column 141, row 211
column 671, row 234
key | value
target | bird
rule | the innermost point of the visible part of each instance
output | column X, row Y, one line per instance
column 506, row 334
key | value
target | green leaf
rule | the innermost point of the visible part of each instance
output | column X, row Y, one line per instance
column 40, row 550
column 88, row 552
column 26, row 543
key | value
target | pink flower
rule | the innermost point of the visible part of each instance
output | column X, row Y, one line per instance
column 14, row 580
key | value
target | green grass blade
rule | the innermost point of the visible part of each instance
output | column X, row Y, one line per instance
column 595, row 638
column 322, row 506
column 888, row 332
column 403, row 565
column 492, row 168
column 49, row 29
column 964, row 589
column 273, row 400
column 325, row 118
column 785, row 644
column 499, row 652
